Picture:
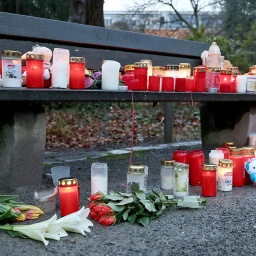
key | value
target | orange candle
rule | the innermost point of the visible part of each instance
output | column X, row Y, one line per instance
column 34, row 70
column 69, row 195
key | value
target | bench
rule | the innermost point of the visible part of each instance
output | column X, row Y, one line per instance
column 22, row 123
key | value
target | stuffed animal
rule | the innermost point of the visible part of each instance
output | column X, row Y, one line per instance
column 250, row 167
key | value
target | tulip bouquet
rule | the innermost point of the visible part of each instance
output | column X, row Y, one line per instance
column 52, row 228
column 137, row 207
column 11, row 210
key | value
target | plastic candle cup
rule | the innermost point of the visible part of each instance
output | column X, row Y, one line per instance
column 133, row 84
column 167, row 84
column 77, row 73
column 196, row 160
column 69, row 195
column 35, row 70
column 236, row 155
column 110, row 75
column 167, row 176
column 150, row 69
column 184, row 70
column 225, row 80
column 214, row 157
column 200, row 79
column 248, row 153
column 128, row 73
column 180, row 156
column 241, row 82
column 180, row 84
column 225, row 173
column 154, row 83
column 209, row 185
column 189, row 84
column 99, row 178
column 213, row 79
column 141, row 73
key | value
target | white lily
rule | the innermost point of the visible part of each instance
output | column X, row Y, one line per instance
column 76, row 222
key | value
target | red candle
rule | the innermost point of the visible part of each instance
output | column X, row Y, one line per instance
column 225, row 80
column 248, row 153
column 233, row 86
column 189, row 84
column 141, row 73
column 209, row 185
column 1, row 68
column 180, row 156
column 180, row 84
column 196, row 160
column 236, row 155
column 77, row 73
column 34, row 70
column 69, row 195
column 225, row 151
column 200, row 78
column 154, row 83
column 167, row 84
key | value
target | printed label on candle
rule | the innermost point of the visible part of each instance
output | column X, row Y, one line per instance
column 251, row 84
column 225, row 181
column 181, row 181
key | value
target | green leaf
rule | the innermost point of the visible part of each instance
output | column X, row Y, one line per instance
column 114, row 197
column 125, row 201
column 6, row 198
column 125, row 194
column 16, row 234
column 140, row 194
column 115, row 207
column 112, row 193
column 132, row 218
column 125, row 214
column 144, row 221
column 149, row 205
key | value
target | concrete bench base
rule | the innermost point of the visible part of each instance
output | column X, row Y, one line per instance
column 22, row 144
column 227, row 121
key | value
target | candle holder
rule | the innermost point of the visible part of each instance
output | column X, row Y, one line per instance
column 167, row 176
column 196, row 160
column 69, row 195
column 180, row 156
column 200, row 79
column 77, row 73
column 214, row 157
column 225, row 80
column 181, row 177
column 99, row 178
column 209, row 185
column 34, row 70
column 141, row 73
column 236, row 155
column 184, row 70
column 213, row 79
column 225, row 173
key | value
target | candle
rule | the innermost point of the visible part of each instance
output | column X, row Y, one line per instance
column 154, row 83
column 180, row 156
column 184, row 70
column 241, row 82
column 167, row 84
column 196, row 160
column 180, row 181
column 35, row 70
column 158, row 71
column 150, row 69
column 99, row 178
column 225, row 173
column 69, row 195
column 189, row 84
column 209, row 185
column 213, row 79
column 225, row 80
column 141, row 73
column 171, row 71
column 110, row 75
column 225, row 151
column 167, row 175
column 236, row 155
column 133, row 84
column 200, row 78
column 129, row 73
column 77, row 73
column 214, row 157
column 180, row 84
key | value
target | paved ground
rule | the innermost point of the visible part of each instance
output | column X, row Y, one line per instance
column 226, row 226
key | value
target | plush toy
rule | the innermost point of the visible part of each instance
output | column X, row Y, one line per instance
column 250, row 167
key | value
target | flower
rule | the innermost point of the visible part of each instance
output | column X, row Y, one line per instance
column 101, row 210
column 108, row 220
column 96, row 197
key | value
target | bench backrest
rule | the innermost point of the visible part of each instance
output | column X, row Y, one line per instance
column 19, row 32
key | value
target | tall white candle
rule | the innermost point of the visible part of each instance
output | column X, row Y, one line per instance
column 225, row 175
column 110, row 75
column 60, row 74
column 99, row 184
column 214, row 158
column 241, row 83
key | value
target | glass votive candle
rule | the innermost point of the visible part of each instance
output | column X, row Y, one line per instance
column 184, row 70
column 236, row 155
column 196, row 160
column 154, row 83
column 99, row 178
column 69, row 195
column 180, row 156
column 141, row 73
column 241, row 83
column 225, row 173
column 225, row 80
column 77, row 73
column 200, row 78
column 167, row 176
column 180, row 84
column 213, row 79
column 180, row 181
column 34, row 70
column 189, row 84
column 167, row 84
column 209, row 184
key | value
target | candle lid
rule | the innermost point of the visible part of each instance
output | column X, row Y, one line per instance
column 236, row 151
column 212, row 69
column 225, row 163
column 157, row 68
column 167, row 162
column 172, row 67
column 71, row 181
column 228, row 144
column 199, row 69
column 248, row 150
column 128, row 67
column 184, row 65
column 33, row 56
column 11, row 54
column 136, row 169
column 149, row 62
column 140, row 65
column 77, row 59
column 225, row 72
column 209, row 167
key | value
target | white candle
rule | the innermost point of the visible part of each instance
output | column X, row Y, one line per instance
column 241, row 83
column 225, row 175
column 99, row 184
column 60, row 75
column 214, row 158
column 110, row 75
column 252, row 139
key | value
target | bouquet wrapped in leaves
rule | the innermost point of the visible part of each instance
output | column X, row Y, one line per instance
column 137, row 207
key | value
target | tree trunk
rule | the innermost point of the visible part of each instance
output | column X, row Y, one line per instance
column 89, row 12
